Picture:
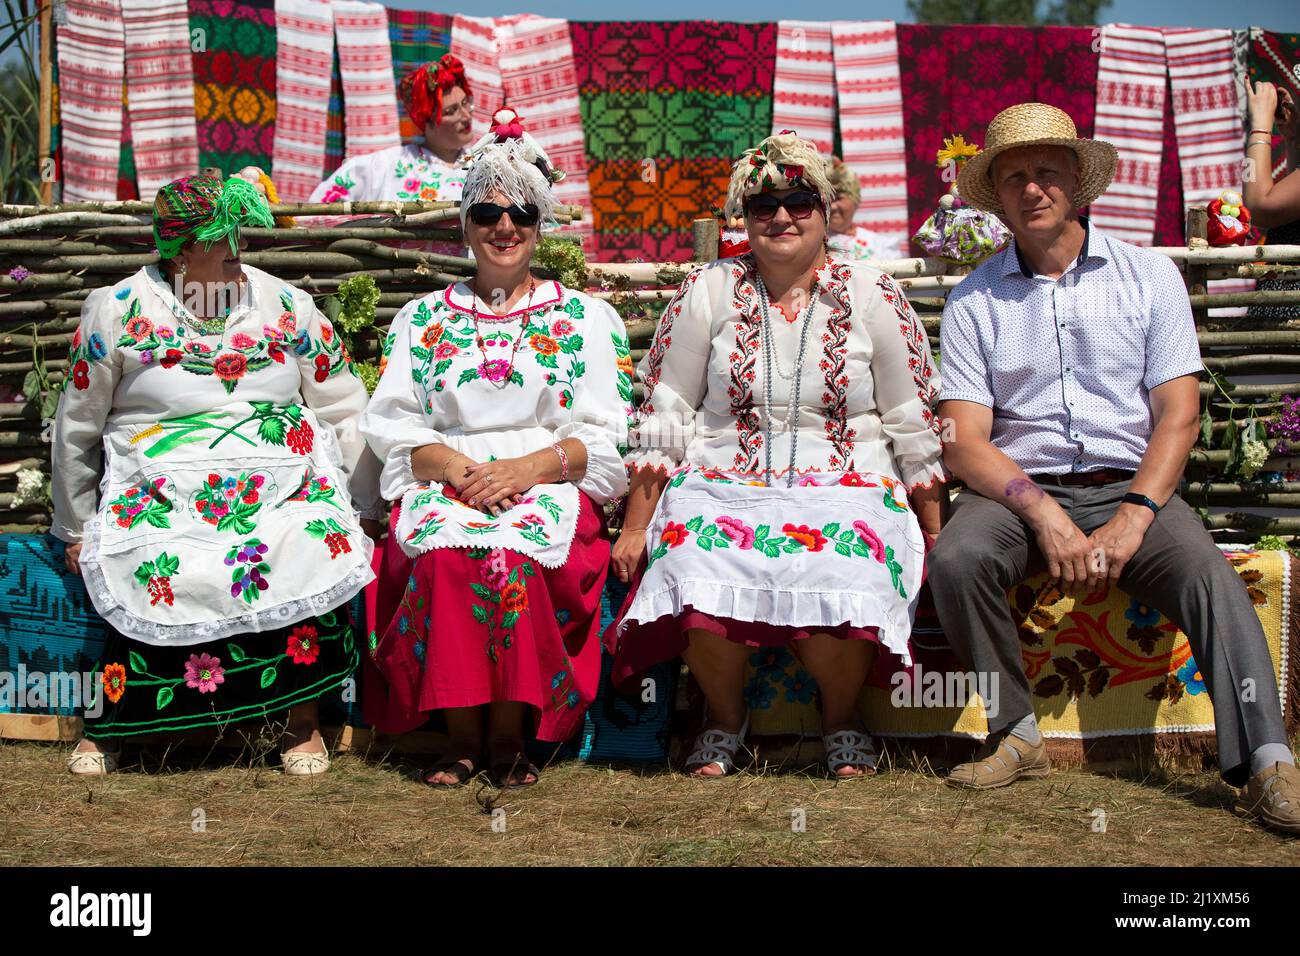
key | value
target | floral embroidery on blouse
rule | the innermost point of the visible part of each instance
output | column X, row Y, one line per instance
column 231, row 503
column 919, row 359
column 419, row 183
column 749, row 332
column 340, row 189
column 834, row 358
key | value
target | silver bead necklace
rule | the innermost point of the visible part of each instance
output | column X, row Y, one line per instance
column 793, row 409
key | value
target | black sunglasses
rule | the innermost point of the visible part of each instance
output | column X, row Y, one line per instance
column 489, row 214
column 799, row 205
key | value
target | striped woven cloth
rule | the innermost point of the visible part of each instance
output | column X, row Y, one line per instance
column 1130, row 114
column 160, row 91
column 870, row 97
column 1208, row 125
column 366, row 69
column 803, row 86
column 234, row 82
column 305, row 50
column 474, row 40
column 535, row 56
column 416, row 38
column 91, row 73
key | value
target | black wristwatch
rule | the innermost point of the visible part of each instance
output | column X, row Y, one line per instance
column 1133, row 498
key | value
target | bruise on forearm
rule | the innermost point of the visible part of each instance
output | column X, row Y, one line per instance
column 1023, row 492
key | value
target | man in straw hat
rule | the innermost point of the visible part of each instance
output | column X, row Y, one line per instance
column 1070, row 391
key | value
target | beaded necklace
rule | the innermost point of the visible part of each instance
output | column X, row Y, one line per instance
column 793, row 410
column 504, row 380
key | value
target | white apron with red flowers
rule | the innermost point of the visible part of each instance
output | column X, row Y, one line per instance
column 836, row 548
column 223, row 506
column 501, row 387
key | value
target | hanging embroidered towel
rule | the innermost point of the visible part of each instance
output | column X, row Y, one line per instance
column 1207, row 124
column 91, row 72
column 1275, row 57
column 366, row 65
column 160, row 92
column 539, row 80
column 869, row 91
column 1130, row 114
column 415, row 37
column 803, row 91
column 474, row 41
column 305, row 56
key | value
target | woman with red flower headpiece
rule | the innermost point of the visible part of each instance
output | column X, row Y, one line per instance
column 201, row 457
column 785, row 467
column 437, row 100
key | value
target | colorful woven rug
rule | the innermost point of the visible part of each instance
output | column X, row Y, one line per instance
column 1273, row 57
column 667, row 109
column 869, row 92
column 91, row 73
column 305, row 45
column 957, row 78
column 416, row 37
column 366, row 69
column 803, row 86
column 160, row 92
column 234, row 83
column 1131, row 84
column 1103, row 671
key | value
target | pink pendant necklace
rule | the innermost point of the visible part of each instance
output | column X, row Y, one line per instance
column 500, row 381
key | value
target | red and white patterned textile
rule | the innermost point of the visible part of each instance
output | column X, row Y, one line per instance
column 803, row 90
column 304, row 62
column 91, row 72
column 160, row 92
column 366, row 66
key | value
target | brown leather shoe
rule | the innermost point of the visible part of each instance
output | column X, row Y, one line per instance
column 1272, row 798
column 996, row 765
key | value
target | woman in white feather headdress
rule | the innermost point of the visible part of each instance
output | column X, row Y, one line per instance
column 500, row 420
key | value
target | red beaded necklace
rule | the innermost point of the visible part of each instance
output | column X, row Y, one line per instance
column 504, row 380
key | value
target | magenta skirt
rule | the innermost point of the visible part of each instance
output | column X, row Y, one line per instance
column 463, row 627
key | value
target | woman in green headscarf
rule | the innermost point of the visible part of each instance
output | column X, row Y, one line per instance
column 202, row 453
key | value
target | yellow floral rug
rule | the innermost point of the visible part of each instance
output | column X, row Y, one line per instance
column 1103, row 669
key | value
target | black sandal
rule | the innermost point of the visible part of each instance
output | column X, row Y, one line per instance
column 502, row 770
column 456, row 768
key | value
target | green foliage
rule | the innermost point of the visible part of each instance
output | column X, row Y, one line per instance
column 20, row 179
column 1027, row 12
column 1272, row 542
column 357, row 297
column 368, row 372
column 563, row 256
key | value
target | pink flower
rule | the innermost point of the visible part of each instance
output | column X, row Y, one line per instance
column 165, row 332
column 204, row 673
column 737, row 530
column 242, row 341
column 494, row 370
column 561, row 328
column 334, row 194
column 412, row 185
column 807, row 480
column 871, row 540
column 445, row 350
column 494, row 571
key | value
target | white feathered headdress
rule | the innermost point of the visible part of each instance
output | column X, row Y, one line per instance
column 509, row 161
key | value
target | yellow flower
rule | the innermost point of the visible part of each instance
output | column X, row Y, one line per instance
column 955, row 150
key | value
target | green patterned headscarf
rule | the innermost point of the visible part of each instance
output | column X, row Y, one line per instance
column 203, row 209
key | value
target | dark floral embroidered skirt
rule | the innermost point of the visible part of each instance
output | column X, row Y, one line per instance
column 463, row 627
column 148, row 689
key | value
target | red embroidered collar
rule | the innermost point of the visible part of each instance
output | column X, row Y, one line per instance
column 544, row 297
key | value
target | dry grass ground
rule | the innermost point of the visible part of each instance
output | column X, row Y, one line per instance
column 371, row 810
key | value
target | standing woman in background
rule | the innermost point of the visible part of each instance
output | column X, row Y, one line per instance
column 1274, row 207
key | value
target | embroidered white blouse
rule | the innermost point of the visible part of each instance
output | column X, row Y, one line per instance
column 867, row 389
column 223, row 507
column 407, row 173
column 556, row 368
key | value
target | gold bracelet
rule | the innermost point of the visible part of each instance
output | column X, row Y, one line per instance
column 447, row 464
column 1260, row 142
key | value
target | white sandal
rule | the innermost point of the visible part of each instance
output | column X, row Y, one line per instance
column 715, row 746
column 849, row 748
column 306, row 763
column 91, row 763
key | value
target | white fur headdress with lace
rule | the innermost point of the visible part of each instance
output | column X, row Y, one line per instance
column 509, row 161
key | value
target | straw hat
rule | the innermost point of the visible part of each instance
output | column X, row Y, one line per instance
column 1036, row 124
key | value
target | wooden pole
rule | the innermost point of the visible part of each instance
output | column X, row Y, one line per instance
column 1197, row 231
column 45, row 170
column 705, row 236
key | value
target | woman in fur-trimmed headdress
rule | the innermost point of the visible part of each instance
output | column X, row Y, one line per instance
column 785, row 467
column 499, row 420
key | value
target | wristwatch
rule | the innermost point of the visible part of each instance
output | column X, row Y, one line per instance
column 1133, row 498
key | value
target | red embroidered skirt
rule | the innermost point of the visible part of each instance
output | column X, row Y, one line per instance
column 462, row 627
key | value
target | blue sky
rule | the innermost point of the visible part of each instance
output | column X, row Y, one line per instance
column 1283, row 15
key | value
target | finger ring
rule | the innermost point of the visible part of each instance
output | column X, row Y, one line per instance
column 489, row 478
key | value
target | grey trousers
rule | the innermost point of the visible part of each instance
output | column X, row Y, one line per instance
column 986, row 548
